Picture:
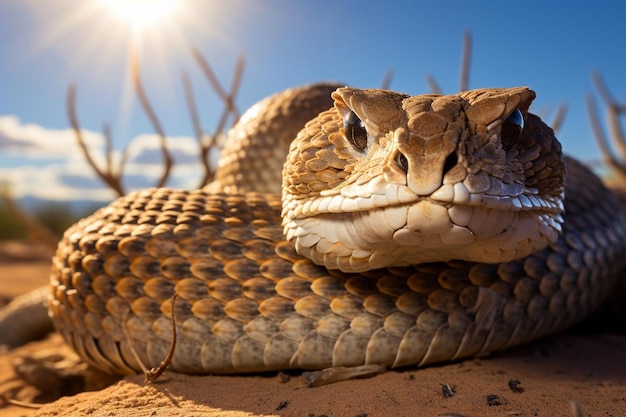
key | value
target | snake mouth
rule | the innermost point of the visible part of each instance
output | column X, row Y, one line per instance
column 356, row 233
column 448, row 196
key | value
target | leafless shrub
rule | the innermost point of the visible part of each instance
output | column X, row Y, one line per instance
column 464, row 67
column 112, row 175
column 466, row 57
column 386, row 82
column 206, row 142
column 559, row 116
column 613, row 149
column 464, row 76
column 156, row 123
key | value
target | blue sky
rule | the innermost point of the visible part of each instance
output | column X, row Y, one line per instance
column 46, row 45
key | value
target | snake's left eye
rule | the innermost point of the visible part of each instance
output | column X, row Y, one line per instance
column 512, row 129
column 355, row 132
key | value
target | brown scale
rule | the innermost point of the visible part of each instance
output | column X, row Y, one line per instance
column 247, row 302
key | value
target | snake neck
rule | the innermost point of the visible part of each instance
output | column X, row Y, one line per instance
column 384, row 179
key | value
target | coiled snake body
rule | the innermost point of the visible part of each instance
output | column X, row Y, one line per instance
column 413, row 230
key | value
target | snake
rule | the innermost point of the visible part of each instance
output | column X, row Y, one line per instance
column 347, row 227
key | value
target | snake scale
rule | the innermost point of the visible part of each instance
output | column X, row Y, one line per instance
column 410, row 230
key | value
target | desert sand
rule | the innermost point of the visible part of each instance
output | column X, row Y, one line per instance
column 546, row 378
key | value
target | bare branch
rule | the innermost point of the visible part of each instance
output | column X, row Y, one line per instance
column 605, row 94
column 234, row 86
column 156, row 124
column 24, row 404
column 108, row 150
column 576, row 411
column 386, row 82
column 204, row 145
column 432, row 83
column 229, row 100
column 208, row 72
column 113, row 181
column 209, row 141
column 112, row 176
column 466, row 57
column 193, row 109
column 559, row 116
column 613, row 115
column 614, row 111
column 598, row 134
column 153, row 374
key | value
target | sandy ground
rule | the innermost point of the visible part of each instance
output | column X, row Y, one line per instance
column 542, row 379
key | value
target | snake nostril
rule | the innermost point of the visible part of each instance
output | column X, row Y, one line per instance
column 450, row 162
column 402, row 162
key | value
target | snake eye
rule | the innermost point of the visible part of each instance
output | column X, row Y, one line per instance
column 512, row 129
column 402, row 162
column 354, row 129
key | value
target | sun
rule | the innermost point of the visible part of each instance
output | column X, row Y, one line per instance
column 141, row 14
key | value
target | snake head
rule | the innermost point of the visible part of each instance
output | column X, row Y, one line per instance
column 386, row 179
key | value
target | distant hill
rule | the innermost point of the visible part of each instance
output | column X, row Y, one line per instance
column 77, row 207
column 55, row 215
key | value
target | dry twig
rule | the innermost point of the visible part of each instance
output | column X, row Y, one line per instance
column 466, row 57
column 151, row 375
column 6, row 400
column 212, row 140
column 464, row 75
column 604, row 92
column 156, row 124
column 617, row 141
column 559, row 116
column 605, row 149
column 227, row 98
column 205, row 142
column 108, row 175
column 386, row 82
column 432, row 84
column 113, row 176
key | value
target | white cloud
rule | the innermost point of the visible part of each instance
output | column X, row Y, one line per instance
column 146, row 149
column 32, row 140
column 55, row 182
column 36, row 174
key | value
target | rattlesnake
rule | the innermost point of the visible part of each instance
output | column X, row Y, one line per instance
column 414, row 230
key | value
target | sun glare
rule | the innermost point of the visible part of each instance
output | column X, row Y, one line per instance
column 141, row 13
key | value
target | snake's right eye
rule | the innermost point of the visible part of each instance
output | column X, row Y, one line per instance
column 512, row 129
column 354, row 130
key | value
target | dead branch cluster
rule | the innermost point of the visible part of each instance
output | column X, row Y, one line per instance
column 613, row 149
column 464, row 76
column 111, row 173
column 464, row 67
